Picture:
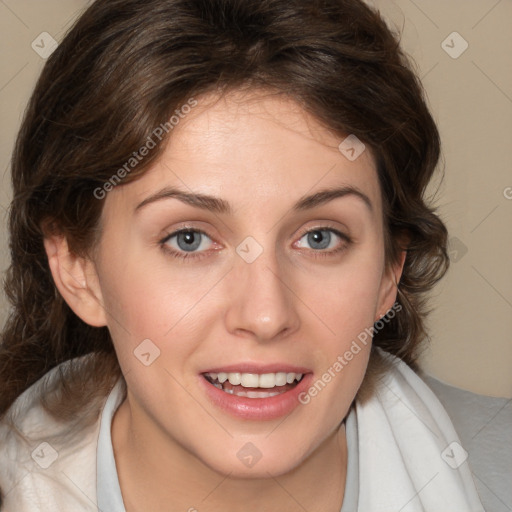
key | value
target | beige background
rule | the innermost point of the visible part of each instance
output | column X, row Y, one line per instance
column 471, row 99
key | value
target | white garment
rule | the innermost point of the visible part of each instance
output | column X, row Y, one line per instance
column 408, row 459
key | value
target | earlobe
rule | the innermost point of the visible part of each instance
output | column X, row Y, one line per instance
column 389, row 286
column 76, row 280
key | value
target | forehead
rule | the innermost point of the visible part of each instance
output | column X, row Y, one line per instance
column 253, row 147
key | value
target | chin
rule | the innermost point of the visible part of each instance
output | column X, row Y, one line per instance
column 259, row 458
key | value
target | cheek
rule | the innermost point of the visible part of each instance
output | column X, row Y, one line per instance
column 345, row 298
column 345, row 307
column 139, row 291
column 157, row 301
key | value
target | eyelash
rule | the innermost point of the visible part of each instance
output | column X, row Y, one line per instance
column 200, row 255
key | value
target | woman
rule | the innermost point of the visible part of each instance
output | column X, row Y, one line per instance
column 220, row 255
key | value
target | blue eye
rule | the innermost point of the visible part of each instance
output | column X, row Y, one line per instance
column 188, row 242
column 319, row 238
column 322, row 238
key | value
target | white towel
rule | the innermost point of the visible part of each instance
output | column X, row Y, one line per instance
column 410, row 457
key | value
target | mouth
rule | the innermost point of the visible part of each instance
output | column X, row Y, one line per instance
column 254, row 385
column 249, row 392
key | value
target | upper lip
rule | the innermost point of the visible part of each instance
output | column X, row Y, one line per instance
column 259, row 368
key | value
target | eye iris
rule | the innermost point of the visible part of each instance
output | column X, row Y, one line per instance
column 188, row 238
column 317, row 237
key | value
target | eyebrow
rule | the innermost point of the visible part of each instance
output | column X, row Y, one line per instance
column 218, row 205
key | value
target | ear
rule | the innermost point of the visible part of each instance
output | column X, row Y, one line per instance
column 77, row 281
column 389, row 286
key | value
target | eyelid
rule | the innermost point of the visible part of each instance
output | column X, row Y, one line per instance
column 326, row 225
column 177, row 231
column 321, row 226
column 183, row 255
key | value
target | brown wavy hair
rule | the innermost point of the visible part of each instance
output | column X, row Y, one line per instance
column 122, row 70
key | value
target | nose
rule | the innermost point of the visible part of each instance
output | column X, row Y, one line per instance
column 262, row 305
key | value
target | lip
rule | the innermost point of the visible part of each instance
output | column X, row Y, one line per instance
column 258, row 368
column 256, row 409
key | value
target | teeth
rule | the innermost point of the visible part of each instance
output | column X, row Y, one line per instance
column 252, row 394
column 290, row 377
column 250, row 380
column 235, row 378
column 267, row 380
column 259, row 394
column 254, row 380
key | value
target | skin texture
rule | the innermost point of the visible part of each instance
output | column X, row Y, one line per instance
column 174, row 449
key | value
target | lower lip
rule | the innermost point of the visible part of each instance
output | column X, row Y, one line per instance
column 257, row 408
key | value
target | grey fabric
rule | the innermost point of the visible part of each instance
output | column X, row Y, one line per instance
column 484, row 425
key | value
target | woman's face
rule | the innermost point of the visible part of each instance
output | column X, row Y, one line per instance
column 276, row 275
